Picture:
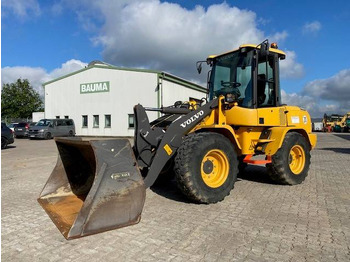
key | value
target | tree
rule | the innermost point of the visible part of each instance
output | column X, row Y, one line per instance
column 19, row 100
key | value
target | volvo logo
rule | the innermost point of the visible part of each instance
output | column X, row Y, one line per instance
column 193, row 118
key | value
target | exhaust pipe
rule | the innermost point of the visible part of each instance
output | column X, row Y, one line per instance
column 95, row 186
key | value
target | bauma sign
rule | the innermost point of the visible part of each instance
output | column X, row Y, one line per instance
column 94, row 87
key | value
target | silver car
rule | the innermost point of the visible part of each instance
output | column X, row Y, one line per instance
column 49, row 128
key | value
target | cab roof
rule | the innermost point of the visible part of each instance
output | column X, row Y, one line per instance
column 251, row 46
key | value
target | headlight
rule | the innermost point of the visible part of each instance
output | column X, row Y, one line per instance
column 41, row 130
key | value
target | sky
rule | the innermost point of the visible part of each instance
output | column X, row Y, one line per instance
column 42, row 40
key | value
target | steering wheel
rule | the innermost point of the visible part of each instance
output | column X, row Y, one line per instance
column 229, row 88
column 230, row 84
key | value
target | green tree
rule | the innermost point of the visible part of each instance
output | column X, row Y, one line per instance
column 19, row 100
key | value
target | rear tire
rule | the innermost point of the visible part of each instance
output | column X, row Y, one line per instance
column 206, row 167
column 291, row 163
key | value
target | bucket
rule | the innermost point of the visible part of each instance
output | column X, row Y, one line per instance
column 95, row 186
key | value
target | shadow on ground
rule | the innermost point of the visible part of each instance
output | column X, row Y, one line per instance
column 169, row 189
column 337, row 150
column 256, row 174
column 8, row 147
column 347, row 137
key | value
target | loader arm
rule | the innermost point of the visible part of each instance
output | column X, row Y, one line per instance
column 164, row 144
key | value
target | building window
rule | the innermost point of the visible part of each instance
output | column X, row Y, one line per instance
column 131, row 121
column 66, row 117
column 107, row 120
column 96, row 120
column 57, row 117
column 85, row 121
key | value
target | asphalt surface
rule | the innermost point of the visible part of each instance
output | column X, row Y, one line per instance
column 258, row 221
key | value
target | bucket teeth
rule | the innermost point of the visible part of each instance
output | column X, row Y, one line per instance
column 95, row 186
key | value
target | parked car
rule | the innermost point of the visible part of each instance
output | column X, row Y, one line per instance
column 6, row 136
column 32, row 123
column 49, row 128
column 12, row 126
column 21, row 129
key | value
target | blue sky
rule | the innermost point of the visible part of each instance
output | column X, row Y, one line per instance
column 42, row 40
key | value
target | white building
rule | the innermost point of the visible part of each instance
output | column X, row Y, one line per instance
column 100, row 98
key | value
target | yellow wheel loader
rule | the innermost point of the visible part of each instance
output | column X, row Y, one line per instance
column 343, row 124
column 99, row 185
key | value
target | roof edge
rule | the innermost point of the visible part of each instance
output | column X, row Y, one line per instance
column 162, row 74
column 103, row 66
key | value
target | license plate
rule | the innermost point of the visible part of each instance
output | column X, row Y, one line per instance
column 32, row 136
column 19, row 129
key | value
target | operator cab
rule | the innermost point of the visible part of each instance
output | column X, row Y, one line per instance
column 248, row 76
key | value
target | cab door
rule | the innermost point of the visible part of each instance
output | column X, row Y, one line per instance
column 267, row 95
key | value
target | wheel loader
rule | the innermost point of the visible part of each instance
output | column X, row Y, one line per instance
column 99, row 185
column 343, row 124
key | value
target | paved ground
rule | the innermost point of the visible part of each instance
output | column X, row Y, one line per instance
column 259, row 221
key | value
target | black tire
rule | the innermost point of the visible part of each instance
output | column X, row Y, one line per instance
column 190, row 166
column 48, row 136
column 4, row 142
column 286, row 169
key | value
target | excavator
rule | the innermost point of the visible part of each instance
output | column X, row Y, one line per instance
column 100, row 184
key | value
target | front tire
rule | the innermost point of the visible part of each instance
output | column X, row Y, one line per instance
column 206, row 167
column 48, row 136
column 291, row 163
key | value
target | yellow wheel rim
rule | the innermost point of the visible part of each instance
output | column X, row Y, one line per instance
column 214, row 168
column 296, row 159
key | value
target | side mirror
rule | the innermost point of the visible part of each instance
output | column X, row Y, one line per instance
column 199, row 66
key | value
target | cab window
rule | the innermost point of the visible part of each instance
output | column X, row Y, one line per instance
column 231, row 75
column 266, row 82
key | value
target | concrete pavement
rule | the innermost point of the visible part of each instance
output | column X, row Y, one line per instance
column 259, row 221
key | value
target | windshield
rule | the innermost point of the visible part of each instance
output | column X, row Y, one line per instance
column 43, row 122
column 232, row 74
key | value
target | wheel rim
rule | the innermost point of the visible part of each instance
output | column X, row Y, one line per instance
column 214, row 168
column 296, row 159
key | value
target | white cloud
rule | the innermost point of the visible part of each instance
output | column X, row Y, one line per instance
column 312, row 27
column 290, row 68
column 165, row 36
column 168, row 37
column 67, row 67
column 316, row 107
column 20, row 8
column 335, row 88
column 331, row 95
column 278, row 37
column 57, row 9
column 37, row 75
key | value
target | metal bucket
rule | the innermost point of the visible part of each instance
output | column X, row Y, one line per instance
column 95, row 186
